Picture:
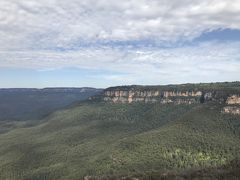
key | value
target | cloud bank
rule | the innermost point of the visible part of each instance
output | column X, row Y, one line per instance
column 147, row 41
column 60, row 23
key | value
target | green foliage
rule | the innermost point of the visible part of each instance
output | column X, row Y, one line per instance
column 98, row 138
column 222, row 172
column 228, row 87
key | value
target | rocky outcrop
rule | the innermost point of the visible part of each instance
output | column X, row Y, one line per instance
column 220, row 93
column 231, row 110
column 234, row 99
column 182, row 94
column 152, row 96
column 233, row 102
column 208, row 96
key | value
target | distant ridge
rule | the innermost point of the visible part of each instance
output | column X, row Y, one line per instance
column 33, row 103
column 50, row 89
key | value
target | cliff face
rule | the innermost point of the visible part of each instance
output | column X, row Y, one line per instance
column 233, row 103
column 226, row 94
column 234, row 99
column 231, row 110
column 148, row 96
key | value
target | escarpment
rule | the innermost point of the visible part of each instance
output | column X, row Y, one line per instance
column 231, row 110
column 151, row 96
column 234, row 99
column 226, row 94
column 233, row 103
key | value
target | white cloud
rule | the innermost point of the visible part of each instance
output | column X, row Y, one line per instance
column 32, row 32
column 59, row 23
column 205, row 62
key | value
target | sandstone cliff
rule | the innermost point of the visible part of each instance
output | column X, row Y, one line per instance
column 231, row 110
column 151, row 96
column 234, row 99
column 222, row 93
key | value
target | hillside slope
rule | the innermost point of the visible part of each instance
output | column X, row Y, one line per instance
column 102, row 138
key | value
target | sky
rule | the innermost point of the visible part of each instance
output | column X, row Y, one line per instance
column 102, row 43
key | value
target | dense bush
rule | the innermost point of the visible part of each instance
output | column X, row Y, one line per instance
column 97, row 138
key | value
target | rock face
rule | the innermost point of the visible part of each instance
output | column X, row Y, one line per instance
column 234, row 99
column 151, row 96
column 231, row 110
column 221, row 93
column 170, row 96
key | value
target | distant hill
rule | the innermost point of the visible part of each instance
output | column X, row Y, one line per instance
column 27, row 104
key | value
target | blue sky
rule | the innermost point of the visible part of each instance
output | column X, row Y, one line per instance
column 103, row 43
